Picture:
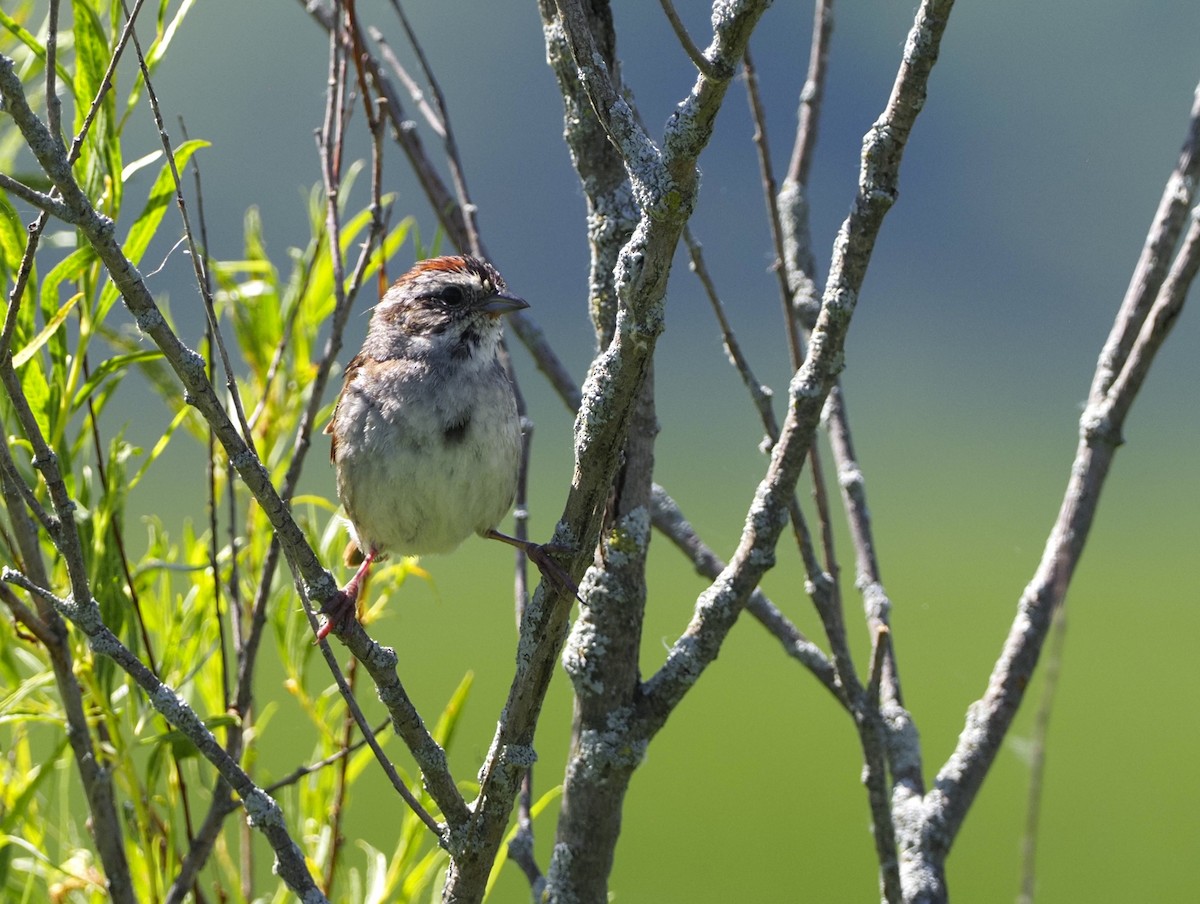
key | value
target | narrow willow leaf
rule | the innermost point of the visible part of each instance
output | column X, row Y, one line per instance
column 502, row 855
column 70, row 269
column 47, row 331
column 109, row 367
column 422, row 874
column 141, row 163
column 443, row 732
column 37, row 394
column 13, row 238
column 91, row 61
column 148, row 220
column 155, row 52
column 159, row 447
column 375, row 891
column 18, row 805
column 8, row 23
column 159, row 48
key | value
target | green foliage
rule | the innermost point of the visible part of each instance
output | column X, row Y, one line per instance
column 181, row 597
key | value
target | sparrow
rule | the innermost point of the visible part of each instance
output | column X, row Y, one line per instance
column 425, row 434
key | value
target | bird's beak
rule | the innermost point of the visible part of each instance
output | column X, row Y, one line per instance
column 503, row 303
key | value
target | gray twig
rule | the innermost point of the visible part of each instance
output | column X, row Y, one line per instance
column 699, row 60
column 670, row 521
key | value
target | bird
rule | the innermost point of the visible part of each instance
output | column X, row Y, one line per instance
column 425, row 434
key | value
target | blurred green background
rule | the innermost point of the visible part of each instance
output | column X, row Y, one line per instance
column 1025, row 193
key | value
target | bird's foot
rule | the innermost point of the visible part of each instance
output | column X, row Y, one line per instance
column 342, row 606
column 542, row 555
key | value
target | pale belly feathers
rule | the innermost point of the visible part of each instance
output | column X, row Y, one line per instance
column 420, row 478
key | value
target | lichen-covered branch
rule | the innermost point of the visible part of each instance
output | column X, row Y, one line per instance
column 883, row 147
column 668, row 519
column 664, row 185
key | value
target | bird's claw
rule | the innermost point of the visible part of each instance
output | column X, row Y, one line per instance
column 542, row 555
column 341, row 606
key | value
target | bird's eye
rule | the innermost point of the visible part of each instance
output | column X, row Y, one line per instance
column 452, row 295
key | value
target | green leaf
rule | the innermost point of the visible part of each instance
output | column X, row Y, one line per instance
column 37, row 395
column 502, row 855
column 110, row 366
column 443, row 732
column 25, row 37
column 141, row 163
column 159, row 48
column 160, row 446
column 181, row 744
column 376, row 878
column 145, row 226
column 13, row 238
column 91, row 59
column 49, row 330
column 19, row 804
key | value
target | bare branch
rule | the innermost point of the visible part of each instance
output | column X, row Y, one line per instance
column 432, row 119
column 32, row 196
column 1151, row 267
column 198, row 258
column 1037, row 756
column 457, row 173
column 798, row 259
column 453, row 220
column 989, row 718
column 670, row 521
column 718, row 606
column 760, row 394
column 664, row 186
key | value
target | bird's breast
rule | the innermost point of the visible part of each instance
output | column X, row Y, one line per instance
column 423, row 463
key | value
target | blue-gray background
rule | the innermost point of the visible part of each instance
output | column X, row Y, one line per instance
column 1025, row 194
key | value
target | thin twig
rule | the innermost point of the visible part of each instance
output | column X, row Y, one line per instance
column 330, row 146
column 699, row 60
column 824, row 580
column 669, row 520
column 118, row 536
column 199, row 259
column 337, row 802
column 665, row 182
column 51, row 524
column 410, row 84
column 337, row 756
column 1152, row 264
column 53, row 102
column 798, row 258
column 47, row 203
column 92, row 766
column 452, row 220
column 766, row 173
column 450, row 146
column 20, row 282
column 876, row 673
column 812, row 94
column 760, row 394
column 27, row 617
column 822, row 585
column 1037, row 756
